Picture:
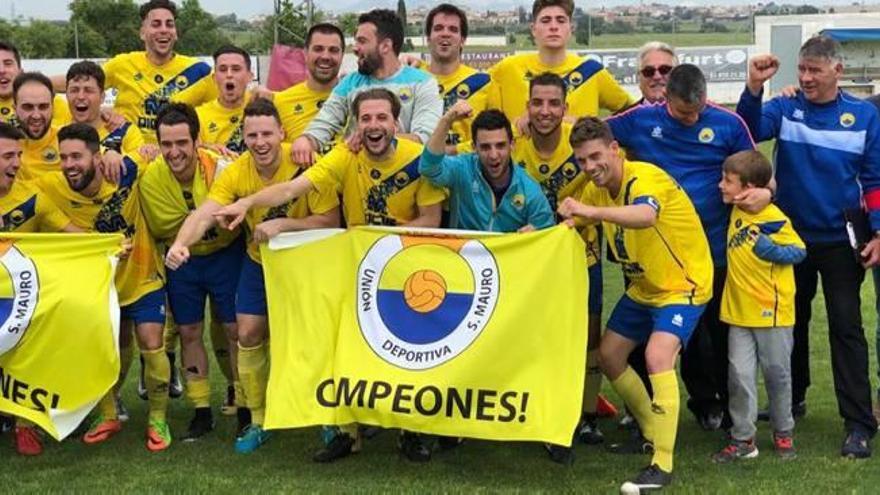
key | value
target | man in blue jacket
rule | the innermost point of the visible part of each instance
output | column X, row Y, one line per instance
column 486, row 190
column 827, row 166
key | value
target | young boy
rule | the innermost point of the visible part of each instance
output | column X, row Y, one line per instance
column 758, row 304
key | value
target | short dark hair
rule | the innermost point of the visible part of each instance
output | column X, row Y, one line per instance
column 178, row 113
column 81, row 132
column 548, row 79
column 539, row 5
column 491, row 120
column 821, row 46
column 223, row 50
column 325, row 28
column 85, row 69
column 687, row 83
column 590, row 128
column 26, row 77
column 448, row 9
column 261, row 107
column 9, row 47
column 388, row 26
column 376, row 94
column 9, row 131
column 158, row 4
column 751, row 166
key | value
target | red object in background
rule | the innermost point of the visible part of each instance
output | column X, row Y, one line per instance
column 287, row 66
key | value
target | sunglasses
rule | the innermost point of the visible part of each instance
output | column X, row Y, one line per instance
column 650, row 70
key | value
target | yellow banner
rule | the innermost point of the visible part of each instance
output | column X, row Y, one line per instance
column 473, row 336
column 59, row 325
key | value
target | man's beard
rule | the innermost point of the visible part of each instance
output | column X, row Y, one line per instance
column 85, row 179
column 369, row 64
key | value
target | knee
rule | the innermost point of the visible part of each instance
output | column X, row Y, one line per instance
column 190, row 334
column 658, row 360
column 611, row 364
column 250, row 335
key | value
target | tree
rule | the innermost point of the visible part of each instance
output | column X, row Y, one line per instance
column 90, row 42
column 348, row 23
column 522, row 14
column 806, row 9
column 116, row 21
column 583, row 31
column 401, row 11
column 197, row 30
column 662, row 27
column 292, row 26
column 42, row 39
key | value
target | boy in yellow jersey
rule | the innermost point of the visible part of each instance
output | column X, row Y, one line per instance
column 547, row 156
column 300, row 103
column 33, row 109
column 221, row 119
column 24, row 208
column 173, row 186
column 97, row 205
column 266, row 162
column 379, row 185
column 758, row 304
column 446, row 28
column 10, row 68
column 590, row 85
column 656, row 234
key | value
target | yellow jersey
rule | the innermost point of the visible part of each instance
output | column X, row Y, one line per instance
column 40, row 156
column 142, row 88
column 115, row 209
column 386, row 192
column 27, row 209
column 298, row 105
column 166, row 202
column 560, row 177
column 471, row 85
column 241, row 179
column 670, row 262
column 222, row 126
column 60, row 111
column 126, row 139
column 758, row 293
column 590, row 85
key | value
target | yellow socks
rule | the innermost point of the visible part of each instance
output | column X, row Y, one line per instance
column 156, row 373
column 664, row 416
column 198, row 391
column 253, row 372
column 630, row 387
column 592, row 382
column 107, row 406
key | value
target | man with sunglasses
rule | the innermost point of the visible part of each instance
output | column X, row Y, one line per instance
column 690, row 138
column 656, row 61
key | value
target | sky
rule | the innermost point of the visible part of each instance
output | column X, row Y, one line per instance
column 57, row 9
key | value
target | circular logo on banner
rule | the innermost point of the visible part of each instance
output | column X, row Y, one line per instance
column 19, row 291
column 422, row 301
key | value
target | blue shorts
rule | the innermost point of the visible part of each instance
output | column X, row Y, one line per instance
column 214, row 275
column 637, row 321
column 250, row 297
column 594, row 304
column 150, row 308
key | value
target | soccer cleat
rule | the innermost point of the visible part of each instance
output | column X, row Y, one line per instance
column 101, row 430
column 735, row 450
column 337, row 445
column 413, row 447
column 251, row 439
column 158, row 435
column 856, row 446
column 710, row 421
column 142, row 384
column 559, row 454
column 636, row 444
column 27, row 441
column 588, row 430
column 651, row 478
column 175, row 385
column 784, row 445
column 201, row 424
column 121, row 410
column 604, row 407
column 627, row 421
column 228, row 408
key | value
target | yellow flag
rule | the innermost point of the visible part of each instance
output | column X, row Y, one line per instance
column 59, row 325
column 474, row 336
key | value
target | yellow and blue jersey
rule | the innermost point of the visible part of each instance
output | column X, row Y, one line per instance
column 142, row 87
column 468, row 84
column 222, row 126
column 116, row 208
column 40, row 156
column 27, row 209
column 670, row 262
column 387, row 192
column 241, row 179
column 125, row 139
column 758, row 293
column 297, row 106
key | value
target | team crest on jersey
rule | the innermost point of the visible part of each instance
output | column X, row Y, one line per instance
column 417, row 314
column 298, row 109
column 212, row 127
column 544, row 168
column 405, row 95
column 181, row 82
column 575, row 79
column 401, row 179
column 19, row 293
column 50, row 154
column 463, row 91
column 233, row 119
column 5, row 110
column 375, row 174
column 847, row 119
column 706, row 135
column 518, row 201
column 138, row 77
column 158, row 78
column 569, row 170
